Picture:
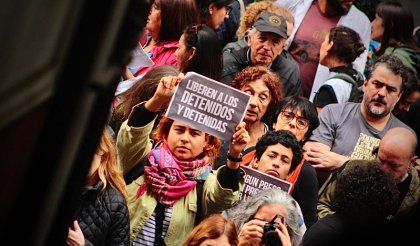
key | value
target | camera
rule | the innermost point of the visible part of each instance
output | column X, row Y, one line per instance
column 270, row 237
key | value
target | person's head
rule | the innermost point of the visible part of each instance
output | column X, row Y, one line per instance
column 214, row 230
column 277, row 153
column 297, row 115
column 253, row 10
column 342, row 45
column 200, row 51
column 213, row 12
column 265, row 89
column 383, row 86
column 365, row 192
column 143, row 89
column 185, row 142
column 393, row 23
column 410, row 94
column 397, row 152
column 340, row 7
column 168, row 18
column 267, row 38
column 267, row 204
column 104, row 165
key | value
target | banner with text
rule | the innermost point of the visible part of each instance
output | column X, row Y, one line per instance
column 256, row 181
column 208, row 105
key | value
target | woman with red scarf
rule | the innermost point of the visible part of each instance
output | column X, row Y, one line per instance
column 178, row 184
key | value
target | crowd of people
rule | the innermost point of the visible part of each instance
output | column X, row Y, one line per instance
column 334, row 96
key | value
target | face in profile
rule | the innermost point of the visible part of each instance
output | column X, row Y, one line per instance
column 154, row 20
column 182, row 54
column 381, row 92
column 275, row 161
column 218, row 15
column 186, row 143
column 265, row 47
column 377, row 28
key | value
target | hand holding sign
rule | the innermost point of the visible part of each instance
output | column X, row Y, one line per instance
column 239, row 141
column 164, row 92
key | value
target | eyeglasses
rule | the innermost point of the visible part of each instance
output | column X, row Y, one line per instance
column 301, row 122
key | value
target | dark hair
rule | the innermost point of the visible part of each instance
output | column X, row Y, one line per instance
column 207, row 59
column 347, row 45
column 271, row 80
column 398, row 23
column 394, row 64
column 365, row 192
column 161, row 133
column 294, row 103
column 203, row 7
column 213, row 227
column 143, row 89
column 411, row 85
column 284, row 138
column 175, row 16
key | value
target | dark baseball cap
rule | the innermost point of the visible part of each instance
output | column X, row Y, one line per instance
column 270, row 22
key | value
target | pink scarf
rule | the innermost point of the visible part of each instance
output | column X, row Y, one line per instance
column 169, row 178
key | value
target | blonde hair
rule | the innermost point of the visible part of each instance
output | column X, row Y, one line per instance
column 254, row 10
column 108, row 171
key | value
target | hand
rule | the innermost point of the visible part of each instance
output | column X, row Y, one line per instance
column 251, row 233
column 283, row 234
column 164, row 92
column 75, row 236
column 324, row 159
column 127, row 74
column 239, row 140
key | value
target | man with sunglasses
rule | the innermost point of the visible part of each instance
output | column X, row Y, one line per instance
column 351, row 130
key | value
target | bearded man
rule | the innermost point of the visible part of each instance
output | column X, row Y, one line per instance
column 352, row 130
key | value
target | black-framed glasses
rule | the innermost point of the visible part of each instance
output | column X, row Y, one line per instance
column 301, row 122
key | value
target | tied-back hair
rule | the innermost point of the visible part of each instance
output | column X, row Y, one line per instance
column 246, row 209
column 175, row 16
column 398, row 23
column 213, row 227
column 271, row 80
column 208, row 59
column 108, row 171
column 162, row 131
column 347, row 44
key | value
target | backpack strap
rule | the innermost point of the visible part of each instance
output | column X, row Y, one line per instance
column 356, row 87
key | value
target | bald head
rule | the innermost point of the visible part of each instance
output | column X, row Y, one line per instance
column 397, row 152
column 400, row 138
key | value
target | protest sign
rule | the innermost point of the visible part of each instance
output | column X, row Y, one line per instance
column 208, row 105
column 256, row 181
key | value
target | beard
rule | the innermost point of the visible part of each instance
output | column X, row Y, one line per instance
column 336, row 6
column 376, row 112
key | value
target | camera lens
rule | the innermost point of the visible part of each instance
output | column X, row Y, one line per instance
column 271, row 238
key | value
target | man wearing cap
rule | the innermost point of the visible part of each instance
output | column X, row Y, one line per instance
column 263, row 46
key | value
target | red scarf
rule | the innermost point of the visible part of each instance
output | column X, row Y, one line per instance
column 169, row 178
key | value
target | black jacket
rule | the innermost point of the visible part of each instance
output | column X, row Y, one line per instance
column 103, row 217
column 235, row 59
